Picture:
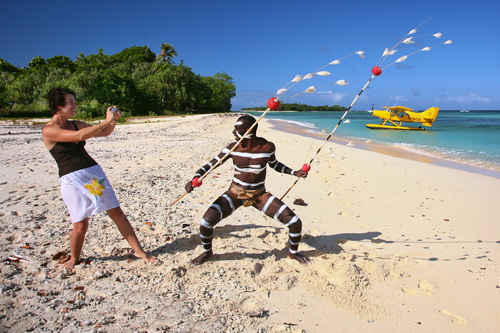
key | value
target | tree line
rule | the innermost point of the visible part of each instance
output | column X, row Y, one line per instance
column 301, row 107
column 136, row 79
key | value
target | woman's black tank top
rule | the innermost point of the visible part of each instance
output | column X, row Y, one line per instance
column 71, row 156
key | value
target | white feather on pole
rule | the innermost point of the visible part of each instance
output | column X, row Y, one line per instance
column 388, row 52
column 323, row 73
column 280, row 91
column 425, row 49
column 401, row 59
column 360, row 53
column 341, row 82
column 297, row 78
column 307, row 76
column 311, row 89
column 438, row 35
column 448, row 42
column 347, row 121
column 334, row 62
column 412, row 31
column 408, row 40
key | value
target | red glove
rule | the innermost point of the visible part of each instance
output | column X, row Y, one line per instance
column 196, row 182
column 306, row 167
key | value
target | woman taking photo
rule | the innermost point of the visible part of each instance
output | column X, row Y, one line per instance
column 84, row 187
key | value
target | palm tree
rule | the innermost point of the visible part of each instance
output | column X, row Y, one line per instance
column 167, row 53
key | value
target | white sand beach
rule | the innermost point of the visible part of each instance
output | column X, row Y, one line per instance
column 396, row 244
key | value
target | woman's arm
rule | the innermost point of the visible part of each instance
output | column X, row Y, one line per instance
column 107, row 130
column 54, row 133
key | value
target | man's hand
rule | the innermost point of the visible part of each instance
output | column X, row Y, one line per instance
column 196, row 182
column 188, row 187
column 300, row 173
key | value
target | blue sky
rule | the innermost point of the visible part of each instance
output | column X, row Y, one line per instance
column 263, row 44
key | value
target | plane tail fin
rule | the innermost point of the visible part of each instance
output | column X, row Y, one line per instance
column 430, row 116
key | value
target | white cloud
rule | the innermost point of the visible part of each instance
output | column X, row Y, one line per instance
column 333, row 96
column 470, row 98
column 465, row 99
column 399, row 98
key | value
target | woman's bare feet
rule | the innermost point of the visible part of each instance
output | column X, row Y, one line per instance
column 146, row 257
column 69, row 263
column 202, row 258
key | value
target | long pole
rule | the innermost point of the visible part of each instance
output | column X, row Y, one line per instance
column 333, row 131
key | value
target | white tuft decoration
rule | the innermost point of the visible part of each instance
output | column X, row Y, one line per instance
column 311, row 89
column 297, row 78
column 412, row 31
column 425, row 49
column 408, row 40
column 448, row 42
column 335, row 62
column 307, row 76
column 280, row 91
column 401, row 59
column 323, row 73
column 360, row 53
column 341, row 82
column 438, row 35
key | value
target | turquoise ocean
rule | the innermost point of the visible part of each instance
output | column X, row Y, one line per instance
column 471, row 138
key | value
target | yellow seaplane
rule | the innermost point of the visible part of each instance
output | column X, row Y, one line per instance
column 393, row 117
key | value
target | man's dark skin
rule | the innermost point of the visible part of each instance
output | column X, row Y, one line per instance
column 253, row 145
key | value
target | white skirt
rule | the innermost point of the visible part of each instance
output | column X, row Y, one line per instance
column 87, row 192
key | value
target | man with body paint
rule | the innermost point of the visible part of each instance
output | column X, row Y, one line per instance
column 250, row 161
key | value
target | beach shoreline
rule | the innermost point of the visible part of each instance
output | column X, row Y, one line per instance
column 382, row 148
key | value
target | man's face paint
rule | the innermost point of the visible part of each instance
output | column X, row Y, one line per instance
column 235, row 133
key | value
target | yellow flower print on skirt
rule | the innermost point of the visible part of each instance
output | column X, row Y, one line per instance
column 95, row 187
column 87, row 192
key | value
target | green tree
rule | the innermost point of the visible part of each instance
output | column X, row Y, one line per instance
column 167, row 53
column 134, row 55
column 61, row 62
column 7, row 67
column 36, row 63
column 135, row 79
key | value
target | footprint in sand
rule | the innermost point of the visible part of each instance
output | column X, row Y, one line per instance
column 423, row 288
column 454, row 318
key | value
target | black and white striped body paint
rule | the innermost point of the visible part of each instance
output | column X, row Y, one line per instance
column 250, row 166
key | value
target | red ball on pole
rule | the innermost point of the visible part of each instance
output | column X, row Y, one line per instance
column 306, row 167
column 376, row 70
column 273, row 103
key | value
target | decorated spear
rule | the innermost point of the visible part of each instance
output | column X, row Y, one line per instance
column 376, row 71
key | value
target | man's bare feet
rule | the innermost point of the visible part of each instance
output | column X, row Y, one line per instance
column 202, row 258
column 299, row 257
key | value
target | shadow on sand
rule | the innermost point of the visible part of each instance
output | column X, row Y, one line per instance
column 323, row 244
